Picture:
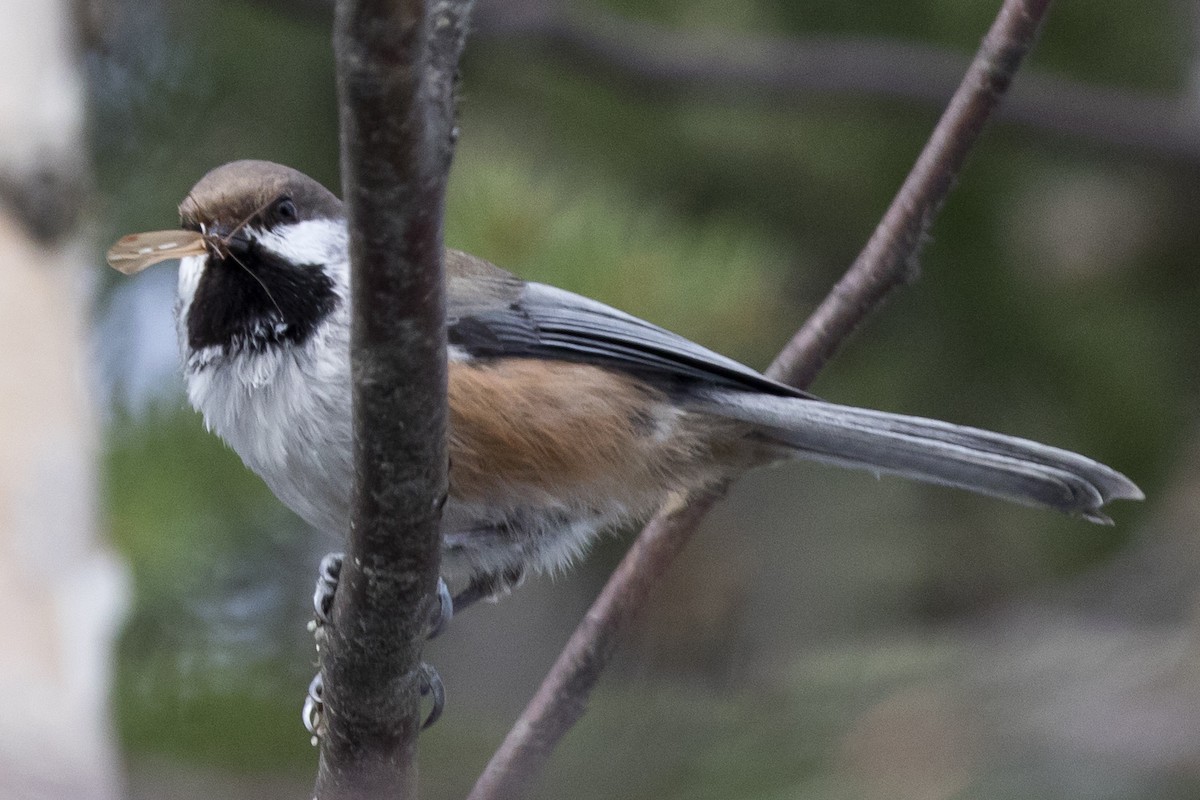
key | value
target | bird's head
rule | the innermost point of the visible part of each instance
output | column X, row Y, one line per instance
column 273, row 261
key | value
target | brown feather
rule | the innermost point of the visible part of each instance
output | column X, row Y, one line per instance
column 236, row 192
column 548, row 431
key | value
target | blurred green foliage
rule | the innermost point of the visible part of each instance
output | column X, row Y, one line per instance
column 726, row 222
column 211, row 551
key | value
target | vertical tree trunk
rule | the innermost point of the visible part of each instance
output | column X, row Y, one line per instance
column 62, row 589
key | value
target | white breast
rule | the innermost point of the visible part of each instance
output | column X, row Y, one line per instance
column 285, row 411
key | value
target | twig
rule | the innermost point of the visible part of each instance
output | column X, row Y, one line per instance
column 756, row 69
column 887, row 261
column 746, row 68
column 396, row 61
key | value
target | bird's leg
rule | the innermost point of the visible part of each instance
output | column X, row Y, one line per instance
column 330, row 572
column 314, row 701
column 328, row 575
column 488, row 587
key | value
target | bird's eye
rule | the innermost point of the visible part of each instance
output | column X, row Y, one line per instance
column 285, row 210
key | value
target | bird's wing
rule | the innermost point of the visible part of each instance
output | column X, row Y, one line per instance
column 494, row 315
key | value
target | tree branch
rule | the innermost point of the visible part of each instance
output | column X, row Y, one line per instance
column 887, row 261
column 788, row 69
column 396, row 62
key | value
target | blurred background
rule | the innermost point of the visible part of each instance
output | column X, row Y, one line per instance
column 713, row 167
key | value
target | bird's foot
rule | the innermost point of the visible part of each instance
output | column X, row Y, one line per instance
column 328, row 575
column 313, row 713
column 330, row 572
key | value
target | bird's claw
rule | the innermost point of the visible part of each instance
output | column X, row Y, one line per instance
column 431, row 684
column 443, row 612
column 313, row 713
column 328, row 575
column 314, row 708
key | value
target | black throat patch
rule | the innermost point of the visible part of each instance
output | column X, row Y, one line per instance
column 256, row 302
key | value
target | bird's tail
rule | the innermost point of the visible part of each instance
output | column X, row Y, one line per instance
column 929, row 450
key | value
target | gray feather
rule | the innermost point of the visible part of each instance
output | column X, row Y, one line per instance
column 512, row 319
column 928, row 450
column 545, row 322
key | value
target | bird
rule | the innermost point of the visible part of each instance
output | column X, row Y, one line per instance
column 567, row 417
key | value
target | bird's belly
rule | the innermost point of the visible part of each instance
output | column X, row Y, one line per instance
column 288, row 417
column 546, row 455
column 316, row 489
column 475, row 542
column 543, row 457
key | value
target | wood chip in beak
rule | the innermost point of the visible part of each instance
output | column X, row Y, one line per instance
column 135, row 252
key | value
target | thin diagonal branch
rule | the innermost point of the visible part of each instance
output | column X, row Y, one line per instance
column 887, row 261
column 396, row 62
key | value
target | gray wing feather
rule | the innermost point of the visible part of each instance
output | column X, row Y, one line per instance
column 546, row 322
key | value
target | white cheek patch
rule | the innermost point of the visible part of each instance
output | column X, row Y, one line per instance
column 312, row 241
column 190, row 270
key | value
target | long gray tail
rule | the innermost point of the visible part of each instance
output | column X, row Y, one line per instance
column 929, row 450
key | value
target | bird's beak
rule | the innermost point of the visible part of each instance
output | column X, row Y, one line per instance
column 228, row 242
column 137, row 251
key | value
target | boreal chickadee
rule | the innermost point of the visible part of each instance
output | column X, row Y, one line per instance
column 567, row 417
